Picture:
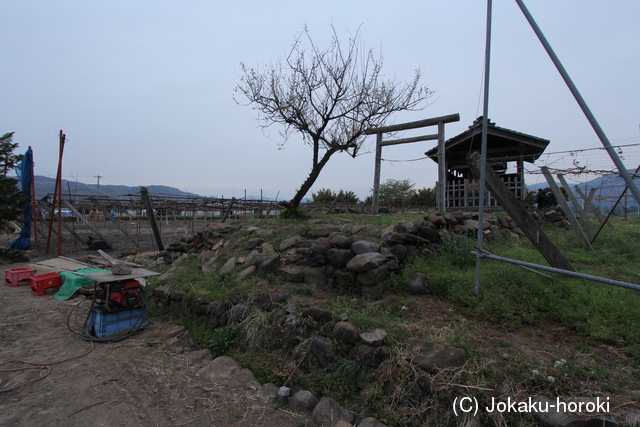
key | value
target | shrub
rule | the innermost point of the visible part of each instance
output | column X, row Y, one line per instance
column 395, row 192
column 423, row 197
column 325, row 195
column 347, row 197
column 297, row 213
column 222, row 340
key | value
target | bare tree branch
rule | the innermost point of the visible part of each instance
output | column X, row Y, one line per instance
column 331, row 96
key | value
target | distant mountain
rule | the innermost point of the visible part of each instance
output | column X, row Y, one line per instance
column 608, row 188
column 539, row 185
column 45, row 185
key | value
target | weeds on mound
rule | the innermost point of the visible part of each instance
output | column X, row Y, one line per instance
column 518, row 296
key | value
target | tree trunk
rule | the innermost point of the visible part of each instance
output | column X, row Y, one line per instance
column 308, row 183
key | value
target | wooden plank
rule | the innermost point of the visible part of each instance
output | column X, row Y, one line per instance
column 414, row 125
column 565, row 207
column 83, row 219
column 441, row 203
column 110, row 217
column 111, row 260
column 226, row 214
column 151, row 216
column 62, row 263
column 408, row 140
column 590, row 206
column 376, row 175
column 582, row 215
column 136, row 273
column 520, row 215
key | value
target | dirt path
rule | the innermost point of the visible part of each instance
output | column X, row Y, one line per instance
column 131, row 383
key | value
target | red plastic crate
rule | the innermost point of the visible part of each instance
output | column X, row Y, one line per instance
column 45, row 283
column 18, row 276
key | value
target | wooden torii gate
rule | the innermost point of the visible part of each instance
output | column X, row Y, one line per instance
column 442, row 171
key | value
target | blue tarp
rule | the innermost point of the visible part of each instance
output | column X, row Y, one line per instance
column 25, row 174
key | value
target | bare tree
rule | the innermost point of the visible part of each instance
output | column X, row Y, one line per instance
column 330, row 96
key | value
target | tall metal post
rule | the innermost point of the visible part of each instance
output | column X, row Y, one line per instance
column 34, row 213
column 624, row 173
column 483, row 149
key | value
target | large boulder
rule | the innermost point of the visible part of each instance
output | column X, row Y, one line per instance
column 328, row 413
column 290, row 242
column 374, row 338
column 341, row 241
column 418, row 284
column 373, row 276
column 428, row 231
column 321, row 245
column 318, row 314
column 437, row 220
column 228, row 266
column 291, row 273
column 364, row 246
column 351, row 229
column 303, row 401
column 225, row 367
column 405, row 227
column 253, row 243
column 432, row 357
column 366, row 261
column 400, row 252
column 370, row 356
column 346, row 332
column 339, row 257
column 322, row 350
column 269, row 265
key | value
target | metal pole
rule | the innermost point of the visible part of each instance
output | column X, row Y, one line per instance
column 484, row 254
column 583, row 105
column 483, row 150
column 612, row 209
column 34, row 213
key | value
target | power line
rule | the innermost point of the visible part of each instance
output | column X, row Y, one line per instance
column 407, row 160
column 77, row 145
column 592, row 149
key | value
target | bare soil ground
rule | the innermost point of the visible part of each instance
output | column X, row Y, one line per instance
column 135, row 382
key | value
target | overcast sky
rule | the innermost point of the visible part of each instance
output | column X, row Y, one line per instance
column 143, row 89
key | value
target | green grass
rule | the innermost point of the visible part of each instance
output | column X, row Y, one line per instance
column 200, row 332
column 510, row 293
column 194, row 283
column 301, row 289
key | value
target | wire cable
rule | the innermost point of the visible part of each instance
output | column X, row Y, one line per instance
column 35, row 365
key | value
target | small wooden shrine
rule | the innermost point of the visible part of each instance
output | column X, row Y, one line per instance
column 504, row 146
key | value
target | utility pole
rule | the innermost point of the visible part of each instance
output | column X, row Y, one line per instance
column 98, row 187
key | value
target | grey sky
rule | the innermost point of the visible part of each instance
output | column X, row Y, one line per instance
column 144, row 89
